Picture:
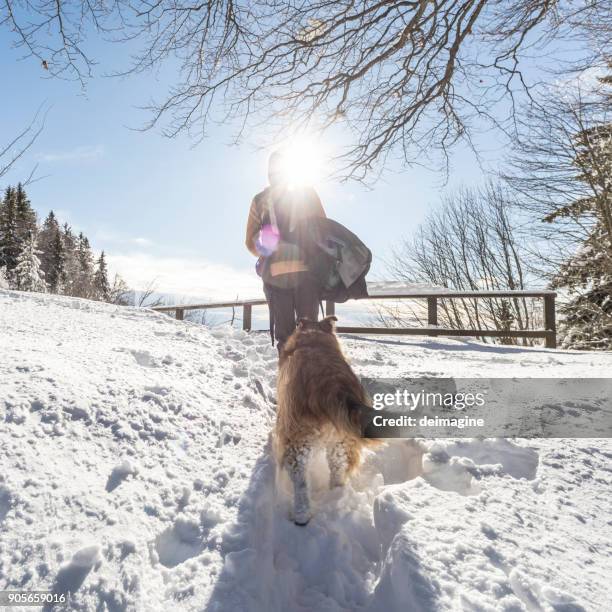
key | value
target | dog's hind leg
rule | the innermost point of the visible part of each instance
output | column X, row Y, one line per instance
column 296, row 461
column 342, row 458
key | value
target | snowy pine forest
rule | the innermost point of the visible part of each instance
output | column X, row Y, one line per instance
column 50, row 258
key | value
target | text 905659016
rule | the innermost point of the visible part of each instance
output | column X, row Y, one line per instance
column 31, row 598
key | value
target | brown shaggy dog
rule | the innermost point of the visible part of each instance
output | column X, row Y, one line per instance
column 320, row 402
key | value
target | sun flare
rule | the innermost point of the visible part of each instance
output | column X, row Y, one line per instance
column 302, row 162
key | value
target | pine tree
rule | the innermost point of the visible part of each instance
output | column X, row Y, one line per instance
column 66, row 261
column 27, row 275
column 25, row 216
column 48, row 233
column 56, row 275
column 587, row 322
column 4, row 284
column 71, row 261
column 53, row 253
column 9, row 238
column 84, row 282
column 102, row 288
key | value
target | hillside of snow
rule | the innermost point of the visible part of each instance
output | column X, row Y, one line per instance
column 135, row 474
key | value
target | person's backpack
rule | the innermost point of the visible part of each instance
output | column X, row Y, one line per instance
column 336, row 257
column 283, row 226
column 283, row 253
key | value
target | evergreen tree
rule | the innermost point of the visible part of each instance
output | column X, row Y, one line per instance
column 4, row 284
column 56, row 276
column 587, row 322
column 25, row 216
column 71, row 261
column 66, row 262
column 27, row 275
column 9, row 238
column 47, row 235
column 102, row 289
column 84, row 282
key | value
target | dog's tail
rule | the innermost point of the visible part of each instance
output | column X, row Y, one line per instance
column 360, row 415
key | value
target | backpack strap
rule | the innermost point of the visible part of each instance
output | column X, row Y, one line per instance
column 272, row 212
column 271, row 311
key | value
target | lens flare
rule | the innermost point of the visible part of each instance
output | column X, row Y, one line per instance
column 268, row 240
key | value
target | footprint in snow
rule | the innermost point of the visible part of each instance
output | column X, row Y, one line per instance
column 157, row 390
column 450, row 473
column 6, row 502
column 239, row 370
column 144, row 359
column 457, row 466
column 498, row 456
column 179, row 543
column 154, row 398
column 232, row 354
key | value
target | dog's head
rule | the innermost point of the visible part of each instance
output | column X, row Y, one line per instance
column 326, row 325
column 309, row 333
column 312, row 335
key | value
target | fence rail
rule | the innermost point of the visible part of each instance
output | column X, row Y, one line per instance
column 549, row 333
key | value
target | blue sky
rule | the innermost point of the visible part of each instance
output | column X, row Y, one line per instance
column 165, row 209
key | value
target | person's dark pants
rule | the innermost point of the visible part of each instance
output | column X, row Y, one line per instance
column 287, row 306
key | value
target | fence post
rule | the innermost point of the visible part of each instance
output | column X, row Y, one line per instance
column 247, row 311
column 180, row 314
column 330, row 308
column 432, row 311
column 550, row 324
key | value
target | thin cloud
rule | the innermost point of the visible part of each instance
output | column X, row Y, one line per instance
column 204, row 281
column 186, row 277
column 141, row 242
column 81, row 153
column 123, row 241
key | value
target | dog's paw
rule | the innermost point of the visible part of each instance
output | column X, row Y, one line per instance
column 301, row 518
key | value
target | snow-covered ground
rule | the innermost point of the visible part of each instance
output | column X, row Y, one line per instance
column 135, row 472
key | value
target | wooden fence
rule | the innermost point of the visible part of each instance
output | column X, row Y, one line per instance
column 549, row 333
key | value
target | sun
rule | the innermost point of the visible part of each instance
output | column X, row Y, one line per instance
column 301, row 162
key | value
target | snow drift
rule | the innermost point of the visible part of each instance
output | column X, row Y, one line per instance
column 135, row 474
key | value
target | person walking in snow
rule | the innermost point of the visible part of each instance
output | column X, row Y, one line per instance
column 276, row 213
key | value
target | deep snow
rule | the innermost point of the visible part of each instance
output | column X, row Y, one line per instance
column 135, row 472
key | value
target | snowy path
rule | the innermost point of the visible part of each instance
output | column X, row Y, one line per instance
column 135, row 472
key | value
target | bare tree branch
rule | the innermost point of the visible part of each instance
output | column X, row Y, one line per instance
column 20, row 144
column 556, row 166
column 470, row 244
column 408, row 78
column 146, row 297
